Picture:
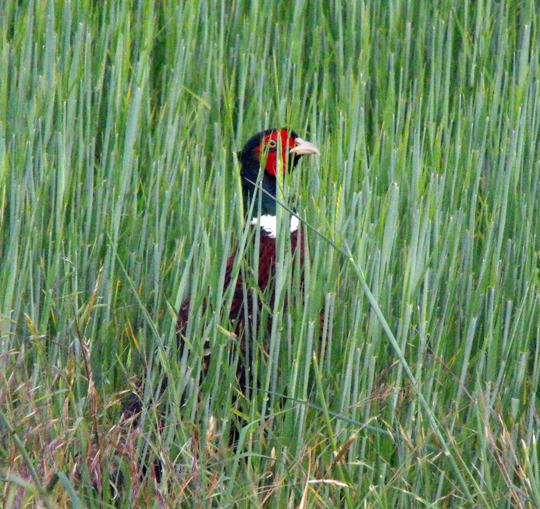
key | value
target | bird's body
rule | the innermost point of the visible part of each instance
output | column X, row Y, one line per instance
column 261, row 152
column 241, row 301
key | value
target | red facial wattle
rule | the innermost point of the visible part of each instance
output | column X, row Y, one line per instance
column 287, row 142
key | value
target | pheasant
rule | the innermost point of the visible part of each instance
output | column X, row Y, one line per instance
column 269, row 150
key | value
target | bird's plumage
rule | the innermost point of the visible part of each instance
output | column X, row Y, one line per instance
column 261, row 152
column 260, row 163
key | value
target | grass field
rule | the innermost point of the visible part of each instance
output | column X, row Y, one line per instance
column 120, row 196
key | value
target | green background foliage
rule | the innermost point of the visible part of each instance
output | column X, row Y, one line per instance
column 119, row 197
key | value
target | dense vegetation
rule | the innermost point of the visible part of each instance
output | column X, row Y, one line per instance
column 119, row 196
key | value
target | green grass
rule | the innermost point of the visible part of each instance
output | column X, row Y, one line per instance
column 119, row 197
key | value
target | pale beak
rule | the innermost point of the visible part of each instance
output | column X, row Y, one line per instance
column 304, row 148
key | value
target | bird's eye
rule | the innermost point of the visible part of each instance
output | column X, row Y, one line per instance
column 272, row 143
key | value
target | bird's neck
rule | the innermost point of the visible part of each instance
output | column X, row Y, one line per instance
column 269, row 224
column 264, row 208
column 263, row 199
